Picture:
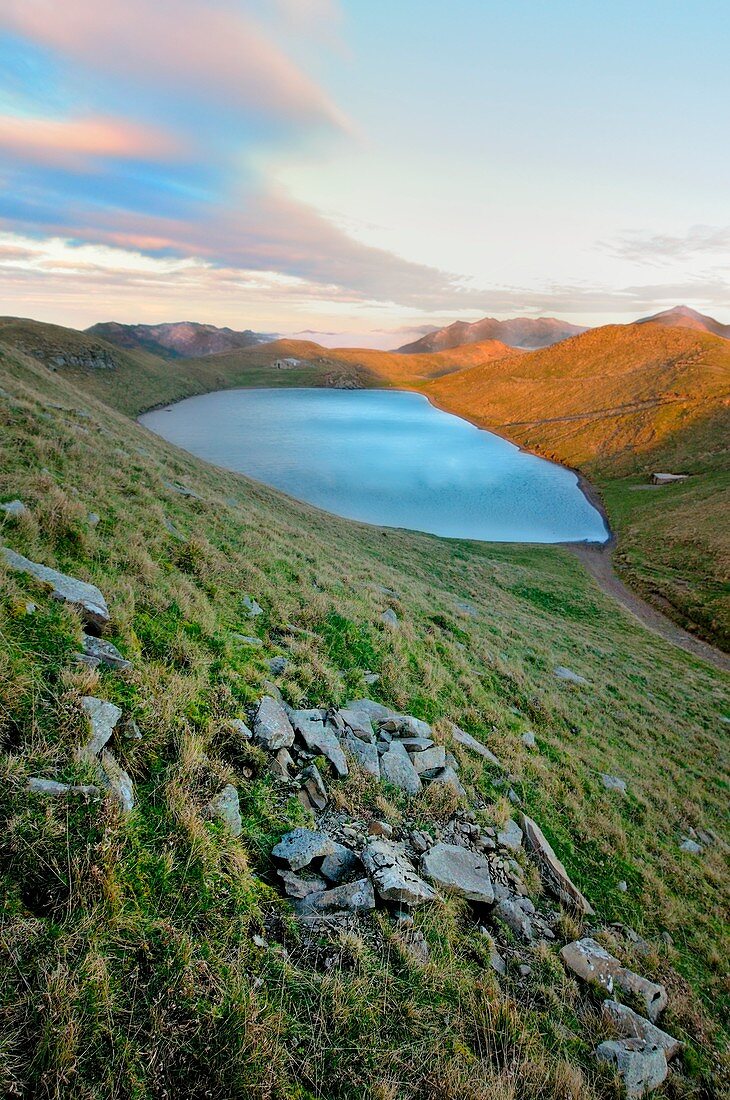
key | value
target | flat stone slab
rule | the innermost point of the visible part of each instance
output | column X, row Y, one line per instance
column 61, row 790
column 104, row 652
column 393, row 875
column 551, row 869
column 103, row 718
column 113, row 776
column 376, row 711
column 365, row 753
column 591, row 962
column 457, row 870
column 225, row 807
column 396, row 768
column 358, row 722
column 641, row 1067
column 301, row 846
column 353, row 897
column 510, row 835
column 627, row 1024
column 567, row 674
column 426, row 760
column 271, row 726
column 80, row 594
column 463, row 738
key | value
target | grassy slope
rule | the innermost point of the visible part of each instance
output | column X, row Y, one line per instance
column 128, row 963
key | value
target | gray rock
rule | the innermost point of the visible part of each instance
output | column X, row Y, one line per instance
column 271, row 727
column 691, row 846
column 312, row 793
column 172, row 529
column 640, row 1066
column 497, row 963
column 567, row 674
column 104, row 652
column 593, row 963
column 447, row 777
column 225, row 807
column 278, row 666
column 103, row 718
column 390, row 618
column 299, row 847
column 528, row 739
column 181, row 490
column 248, row 639
column 396, row 768
column 237, row 725
column 80, row 594
column 463, row 738
column 613, row 783
column 551, row 869
column 357, row 721
column 60, row 790
column 252, row 607
column 393, row 875
column 414, row 744
column 627, row 1024
column 516, row 917
column 364, row 753
column 297, row 886
column 405, row 725
column 457, row 870
column 429, row 759
column 376, row 711
column 510, row 836
column 319, row 739
column 88, row 662
column 93, row 519
column 282, row 764
column 113, row 776
column 353, row 897
column 341, row 864
column 370, row 678
column 14, row 508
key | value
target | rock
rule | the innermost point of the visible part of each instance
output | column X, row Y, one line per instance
column 60, row 790
column 271, row 727
column 392, row 874
column 182, row 490
column 88, row 662
column 405, row 725
column 622, row 886
column 172, row 529
column 524, row 970
column 457, row 870
column 380, row 828
column 358, row 722
column 14, row 508
column 80, row 594
column 341, row 864
column 370, row 678
column 563, row 673
column 225, row 807
column 510, row 836
column 252, row 607
column 528, row 739
column 309, row 726
column 114, row 777
column 516, row 917
column 640, row 1066
column 413, row 943
column 429, row 759
column 93, row 519
column 103, row 718
column 497, row 963
column 551, row 869
column 667, row 479
column 691, row 846
column 353, row 897
column 593, row 963
column 629, row 1025
column 390, row 618
column 296, row 886
column 313, row 793
column 299, row 847
column 396, row 768
column 365, row 754
column 376, row 711
column 447, row 777
column 463, row 738
column 282, row 764
column 239, row 727
column 248, row 639
column 104, row 652
column 278, row 666
column 415, row 744
column 420, row 840
column 613, row 783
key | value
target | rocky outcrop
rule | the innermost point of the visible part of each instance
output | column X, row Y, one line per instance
column 641, row 1066
column 627, row 1024
column 551, row 869
column 80, row 594
column 591, row 962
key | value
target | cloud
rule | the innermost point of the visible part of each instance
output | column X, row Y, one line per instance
column 657, row 248
column 211, row 50
column 78, row 143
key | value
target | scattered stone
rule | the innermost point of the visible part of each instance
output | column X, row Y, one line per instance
column 357, row 721
column 551, row 869
column 104, row 652
column 622, row 886
column 309, row 726
column 420, row 840
column 172, row 529
column 629, row 1025
column 392, row 874
column 181, row 490
column 563, row 673
column 510, row 836
column 447, row 777
column 247, row 639
column 528, row 739
column 376, row 711
column 497, row 963
column 60, row 790
column 282, row 763
column 252, row 607
column 93, row 519
column 365, row 754
column 524, row 970
column 31, row 608
column 80, row 594
column 353, row 897
column 459, row 871
column 613, row 783
column 667, row 479
column 640, row 1066
column 396, row 768
column 225, row 807
column 114, row 777
column 312, row 793
column 271, row 727
column 370, row 678
column 413, row 943
column 591, row 962
column 14, row 508
column 278, row 665
column 428, row 759
column 390, row 618
column 380, row 828
column 299, row 847
column 102, row 717
column 516, row 916
column 463, row 738
column 405, row 725
column 691, row 846
column 415, row 744
column 296, row 886
column 341, row 864
column 238, row 726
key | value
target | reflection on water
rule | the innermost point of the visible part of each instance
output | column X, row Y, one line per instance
column 385, row 457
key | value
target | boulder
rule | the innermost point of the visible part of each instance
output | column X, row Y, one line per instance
column 353, row 897
column 551, row 869
column 238, row 726
column 357, row 721
column 299, row 847
column 396, row 768
column 309, row 726
column 225, row 807
column 60, row 790
column 568, row 675
column 365, row 754
column 414, row 744
column 691, row 846
column 463, row 738
column 341, row 864
column 278, row 665
column 80, row 594
column 297, row 886
column 14, row 508
column 393, row 875
column 405, row 725
column 457, row 870
column 447, row 777
column 103, row 718
column 271, row 727
column 613, row 783
column 105, row 653
column 627, row 1024
column 510, row 836
column 252, row 607
column 376, row 711
column 113, row 776
column 312, row 793
column 390, row 618
column 591, row 962
column 428, row 759
column 528, row 739
column 516, row 916
column 641, row 1066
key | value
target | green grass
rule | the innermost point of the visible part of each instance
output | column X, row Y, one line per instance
column 126, row 950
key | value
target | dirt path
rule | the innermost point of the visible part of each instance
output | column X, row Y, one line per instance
column 597, row 560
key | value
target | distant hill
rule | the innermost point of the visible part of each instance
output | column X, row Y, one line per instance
column 519, row 332
column 684, row 317
column 177, row 340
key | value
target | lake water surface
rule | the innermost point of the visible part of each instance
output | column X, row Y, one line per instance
column 385, row 457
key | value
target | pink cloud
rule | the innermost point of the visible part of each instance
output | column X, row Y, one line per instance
column 75, row 143
column 211, row 50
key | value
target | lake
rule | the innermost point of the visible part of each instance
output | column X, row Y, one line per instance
column 385, row 457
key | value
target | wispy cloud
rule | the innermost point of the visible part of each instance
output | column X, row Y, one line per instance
column 658, row 248
column 79, row 143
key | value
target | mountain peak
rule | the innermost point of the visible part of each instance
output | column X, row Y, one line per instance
column 527, row 333
column 686, row 317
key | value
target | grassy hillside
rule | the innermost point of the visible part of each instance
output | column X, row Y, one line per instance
column 153, row 956
column 618, row 403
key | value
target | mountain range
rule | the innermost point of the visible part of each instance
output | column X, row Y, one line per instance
column 178, row 339
column 518, row 332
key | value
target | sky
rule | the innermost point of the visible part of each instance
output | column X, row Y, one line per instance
column 362, row 170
